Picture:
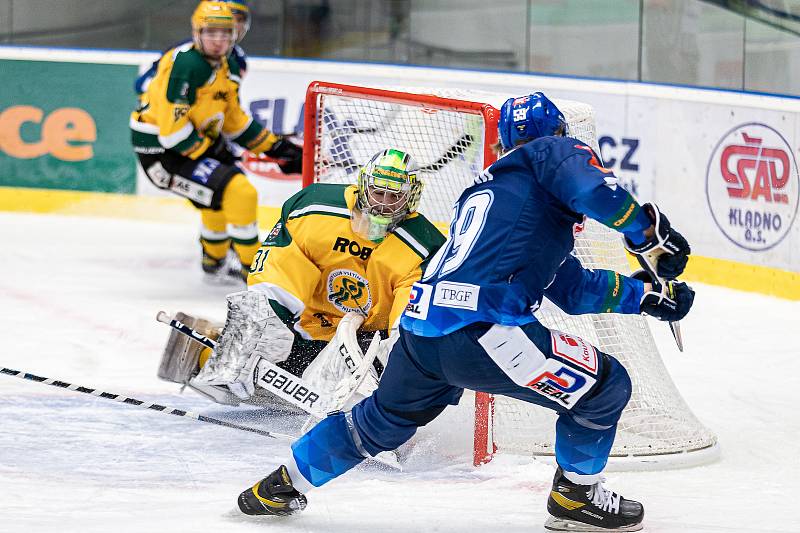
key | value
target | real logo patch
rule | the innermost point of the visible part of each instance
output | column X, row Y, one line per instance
column 419, row 300
column 561, row 383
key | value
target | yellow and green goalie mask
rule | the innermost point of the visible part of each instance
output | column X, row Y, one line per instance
column 389, row 189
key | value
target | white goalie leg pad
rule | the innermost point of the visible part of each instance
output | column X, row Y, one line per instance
column 252, row 331
column 336, row 379
column 340, row 374
column 342, row 368
column 340, row 357
column 296, row 391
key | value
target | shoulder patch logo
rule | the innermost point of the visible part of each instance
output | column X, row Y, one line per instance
column 276, row 230
column 348, row 291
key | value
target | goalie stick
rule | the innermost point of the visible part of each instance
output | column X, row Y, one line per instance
column 358, row 374
column 139, row 403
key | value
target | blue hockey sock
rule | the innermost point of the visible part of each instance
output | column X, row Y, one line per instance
column 581, row 446
column 327, row 451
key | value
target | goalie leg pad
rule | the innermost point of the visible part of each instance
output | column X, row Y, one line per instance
column 180, row 360
column 252, row 331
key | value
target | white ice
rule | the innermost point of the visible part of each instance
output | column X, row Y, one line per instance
column 79, row 297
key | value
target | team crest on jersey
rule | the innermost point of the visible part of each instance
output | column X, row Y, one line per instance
column 212, row 126
column 348, row 291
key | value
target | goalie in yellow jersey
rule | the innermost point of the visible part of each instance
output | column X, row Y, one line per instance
column 340, row 258
column 180, row 132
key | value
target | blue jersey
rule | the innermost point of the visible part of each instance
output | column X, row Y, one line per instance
column 141, row 83
column 511, row 240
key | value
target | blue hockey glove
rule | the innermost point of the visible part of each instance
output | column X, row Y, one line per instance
column 670, row 301
column 667, row 248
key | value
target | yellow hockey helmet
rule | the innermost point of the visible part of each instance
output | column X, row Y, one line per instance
column 212, row 15
column 241, row 15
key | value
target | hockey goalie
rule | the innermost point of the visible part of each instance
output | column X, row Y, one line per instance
column 330, row 281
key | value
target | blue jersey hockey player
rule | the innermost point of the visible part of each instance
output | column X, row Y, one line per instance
column 470, row 323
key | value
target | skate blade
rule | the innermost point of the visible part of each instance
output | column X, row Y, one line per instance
column 565, row 524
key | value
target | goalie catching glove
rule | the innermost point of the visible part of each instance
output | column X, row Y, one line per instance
column 289, row 153
column 667, row 248
column 669, row 301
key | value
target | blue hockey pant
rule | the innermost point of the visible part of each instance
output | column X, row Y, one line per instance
column 587, row 388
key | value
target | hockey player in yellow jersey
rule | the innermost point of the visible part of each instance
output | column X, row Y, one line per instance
column 336, row 249
column 180, row 132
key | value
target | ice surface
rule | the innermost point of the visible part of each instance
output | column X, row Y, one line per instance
column 79, row 298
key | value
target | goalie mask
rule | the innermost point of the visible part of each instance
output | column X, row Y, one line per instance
column 389, row 189
column 526, row 118
column 213, row 29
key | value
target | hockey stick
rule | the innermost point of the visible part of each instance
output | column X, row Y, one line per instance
column 164, row 318
column 456, row 150
column 349, row 128
column 139, row 403
column 648, row 261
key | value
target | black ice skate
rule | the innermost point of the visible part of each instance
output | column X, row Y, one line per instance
column 576, row 507
column 273, row 495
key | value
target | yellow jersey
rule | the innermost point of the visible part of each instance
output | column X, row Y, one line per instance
column 189, row 103
column 316, row 268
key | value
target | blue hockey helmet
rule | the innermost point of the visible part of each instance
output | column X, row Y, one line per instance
column 527, row 118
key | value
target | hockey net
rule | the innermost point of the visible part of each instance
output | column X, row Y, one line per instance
column 450, row 133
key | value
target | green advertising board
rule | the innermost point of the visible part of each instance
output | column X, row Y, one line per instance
column 64, row 125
